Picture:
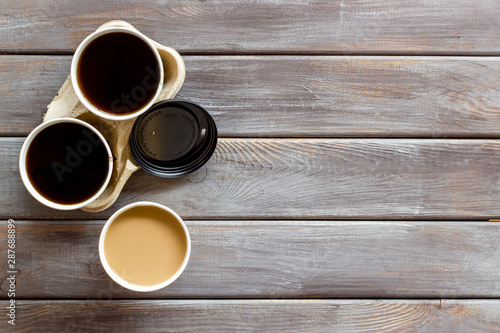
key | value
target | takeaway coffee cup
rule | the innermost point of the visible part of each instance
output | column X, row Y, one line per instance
column 65, row 163
column 144, row 246
column 173, row 138
column 117, row 73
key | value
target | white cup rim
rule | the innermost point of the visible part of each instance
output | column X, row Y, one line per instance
column 124, row 283
column 24, row 174
column 78, row 91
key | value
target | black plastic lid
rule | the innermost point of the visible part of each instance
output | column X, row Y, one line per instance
column 173, row 138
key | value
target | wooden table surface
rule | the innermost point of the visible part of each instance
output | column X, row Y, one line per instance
column 352, row 189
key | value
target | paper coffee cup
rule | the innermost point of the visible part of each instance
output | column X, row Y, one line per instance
column 124, row 99
column 66, row 169
column 144, row 246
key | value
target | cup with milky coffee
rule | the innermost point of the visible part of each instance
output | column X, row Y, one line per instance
column 144, row 246
column 117, row 73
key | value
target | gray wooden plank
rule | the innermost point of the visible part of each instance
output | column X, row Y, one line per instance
column 305, row 178
column 290, row 96
column 274, row 259
column 262, row 316
column 238, row 26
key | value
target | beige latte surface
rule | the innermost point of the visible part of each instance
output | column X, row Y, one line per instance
column 145, row 245
column 67, row 105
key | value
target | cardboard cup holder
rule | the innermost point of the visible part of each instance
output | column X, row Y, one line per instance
column 67, row 105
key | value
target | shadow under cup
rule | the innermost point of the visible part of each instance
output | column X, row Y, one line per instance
column 117, row 73
column 65, row 163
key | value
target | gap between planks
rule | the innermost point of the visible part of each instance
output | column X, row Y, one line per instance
column 277, row 53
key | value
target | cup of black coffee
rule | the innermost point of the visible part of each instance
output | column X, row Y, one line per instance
column 65, row 163
column 117, row 73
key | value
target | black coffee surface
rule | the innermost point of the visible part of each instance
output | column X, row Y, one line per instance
column 118, row 73
column 67, row 163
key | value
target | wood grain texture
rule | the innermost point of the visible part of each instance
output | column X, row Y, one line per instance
column 305, row 178
column 238, row 26
column 274, row 259
column 289, row 96
column 447, row 316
